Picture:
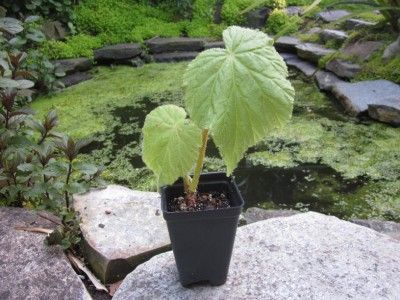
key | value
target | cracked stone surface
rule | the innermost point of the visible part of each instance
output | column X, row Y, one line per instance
column 326, row 80
column 306, row 256
column 28, row 268
column 343, row 68
column 122, row 228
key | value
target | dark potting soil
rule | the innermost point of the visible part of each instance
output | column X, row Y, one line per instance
column 199, row 202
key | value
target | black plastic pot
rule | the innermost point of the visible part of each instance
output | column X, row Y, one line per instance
column 202, row 241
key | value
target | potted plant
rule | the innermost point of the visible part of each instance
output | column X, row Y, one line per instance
column 237, row 96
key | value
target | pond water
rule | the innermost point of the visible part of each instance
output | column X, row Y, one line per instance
column 323, row 161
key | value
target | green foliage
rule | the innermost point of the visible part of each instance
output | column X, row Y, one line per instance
column 204, row 10
column 376, row 68
column 280, row 22
column 117, row 21
column 15, row 37
column 170, row 143
column 232, row 11
column 199, row 28
column 75, row 46
column 61, row 10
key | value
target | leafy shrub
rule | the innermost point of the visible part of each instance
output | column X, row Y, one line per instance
column 74, row 46
column 61, row 10
column 204, row 10
column 279, row 22
column 154, row 27
column 19, row 65
column 233, row 10
column 199, row 28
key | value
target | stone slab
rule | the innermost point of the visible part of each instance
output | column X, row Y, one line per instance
column 115, row 53
column 287, row 44
column 73, row 65
column 121, row 228
column 355, row 97
column 326, row 80
column 388, row 111
column 257, row 18
column 312, row 52
column 305, row 67
column 256, row 214
column 351, row 24
column 387, row 227
column 332, row 15
column 216, row 44
column 306, row 256
column 174, row 56
column 75, row 78
column 343, row 68
column 28, row 268
column 161, row 45
column 362, row 49
column 331, row 34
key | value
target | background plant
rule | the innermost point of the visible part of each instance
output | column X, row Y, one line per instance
column 236, row 95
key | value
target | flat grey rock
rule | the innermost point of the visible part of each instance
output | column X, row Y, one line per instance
column 73, row 65
column 387, row 227
column 294, row 10
column 351, row 24
column 343, row 68
column 174, row 56
column 121, row 228
column 255, row 214
column 332, row 15
column 217, row 44
column 331, row 34
column 362, row 49
column 305, row 67
column 326, row 80
column 314, row 30
column 356, row 97
column 257, row 18
column 306, row 256
column 75, row 78
column 312, row 52
column 287, row 56
column 392, row 50
column 160, row 45
column 28, row 268
column 115, row 53
column 287, row 44
column 388, row 111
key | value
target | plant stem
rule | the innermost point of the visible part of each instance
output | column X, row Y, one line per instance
column 66, row 183
column 199, row 163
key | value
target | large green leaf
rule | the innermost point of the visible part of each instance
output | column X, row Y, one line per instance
column 170, row 143
column 240, row 93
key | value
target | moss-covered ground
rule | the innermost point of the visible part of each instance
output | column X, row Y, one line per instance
column 323, row 160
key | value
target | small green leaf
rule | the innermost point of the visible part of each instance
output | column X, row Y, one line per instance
column 85, row 168
column 240, row 93
column 170, row 143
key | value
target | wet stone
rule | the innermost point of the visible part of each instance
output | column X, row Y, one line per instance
column 28, row 268
column 356, row 97
column 343, row 68
column 117, row 242
column 332, row 15
column 257, row 17
column 313, row 256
